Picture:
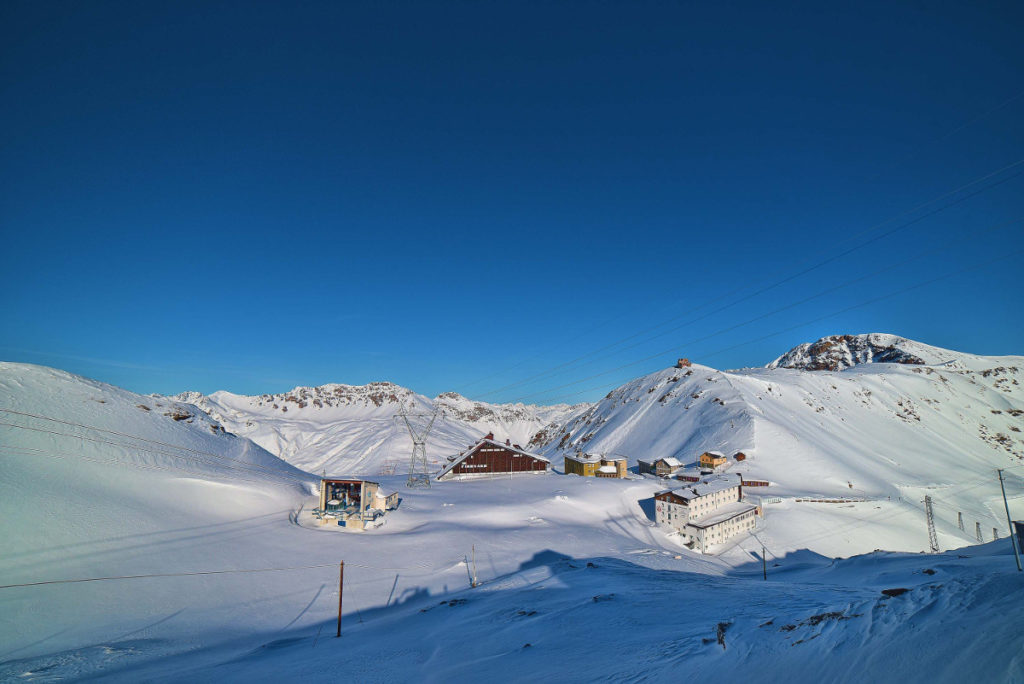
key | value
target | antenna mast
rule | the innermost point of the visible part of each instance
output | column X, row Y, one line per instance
column 419, row 474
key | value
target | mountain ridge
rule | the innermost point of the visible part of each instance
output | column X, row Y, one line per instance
column 354, row 429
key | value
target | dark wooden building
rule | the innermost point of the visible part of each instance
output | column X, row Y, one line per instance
column 491, row 458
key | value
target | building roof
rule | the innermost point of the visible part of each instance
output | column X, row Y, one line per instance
column 594, row 458
column 472, row 450
column 723, row 514
column 709, row 486
column 349, row 480
column 715, row 453
column 670, row 461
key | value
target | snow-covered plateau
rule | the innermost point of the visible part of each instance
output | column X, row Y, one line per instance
column 199, row 506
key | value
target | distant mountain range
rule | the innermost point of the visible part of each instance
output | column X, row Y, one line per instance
column 356, row 429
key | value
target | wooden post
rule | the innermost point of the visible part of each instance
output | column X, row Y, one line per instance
column 341, row 587
column 474, row 566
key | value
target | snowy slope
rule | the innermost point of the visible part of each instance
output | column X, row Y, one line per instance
column 557, row 618
column 96, row 480
column 882, row 434
column 353, row 429
column 573, row 566
column 71, row 445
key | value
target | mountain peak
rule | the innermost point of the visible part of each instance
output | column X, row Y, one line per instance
column 838, row 352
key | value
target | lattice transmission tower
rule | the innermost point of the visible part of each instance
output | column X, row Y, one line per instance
column 419, row 473
column 933, row 540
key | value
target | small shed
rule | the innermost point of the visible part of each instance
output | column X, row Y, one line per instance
column 353, row 503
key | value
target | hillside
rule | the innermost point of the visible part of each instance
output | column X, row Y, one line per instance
column 353, row 428
column 237, row 583
column 880, row 434
column 814, row 623
column 71, row 446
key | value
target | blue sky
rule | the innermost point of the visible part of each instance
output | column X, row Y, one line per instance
column 461, row 196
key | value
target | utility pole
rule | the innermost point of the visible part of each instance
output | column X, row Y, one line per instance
column 960, row 520
column 419, row 476
column 474, row 567
column 341, row 587
column 933, row 540
column 764, row 564
column 1009, row 521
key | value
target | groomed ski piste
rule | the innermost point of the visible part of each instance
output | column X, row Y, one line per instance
column 575, row 581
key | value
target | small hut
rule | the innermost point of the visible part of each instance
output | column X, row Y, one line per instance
column 353, row 503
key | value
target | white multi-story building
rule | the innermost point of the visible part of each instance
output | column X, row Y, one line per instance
column 708, row 512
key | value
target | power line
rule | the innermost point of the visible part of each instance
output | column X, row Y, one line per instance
column 217, row 572
column 249, row 464
column 259, row 470
column 28, row 451
column 864, row 303
column 165, row 574
column 821, row 293
column 800, row 273
column 867, row 302
column 948, row 134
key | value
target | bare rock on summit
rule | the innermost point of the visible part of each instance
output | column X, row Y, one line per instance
column 838, row 352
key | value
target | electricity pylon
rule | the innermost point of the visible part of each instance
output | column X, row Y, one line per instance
column 933, row 540
column 419, row 475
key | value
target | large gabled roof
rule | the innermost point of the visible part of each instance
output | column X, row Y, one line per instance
column 472, row 450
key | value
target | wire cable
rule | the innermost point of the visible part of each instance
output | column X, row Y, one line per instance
column 800, row 273
column 776, row 333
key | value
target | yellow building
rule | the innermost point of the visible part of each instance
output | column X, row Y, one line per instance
column 712, row 460
column 590, row 465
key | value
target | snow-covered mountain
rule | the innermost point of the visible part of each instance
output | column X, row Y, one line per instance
column 902, row 421
column 354, row 429
column 837, row 352
column 142, row 542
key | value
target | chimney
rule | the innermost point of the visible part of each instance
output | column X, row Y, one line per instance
column 490, row 435
column 508, row 442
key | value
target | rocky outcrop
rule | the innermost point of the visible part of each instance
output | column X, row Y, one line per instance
column 838, row 352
